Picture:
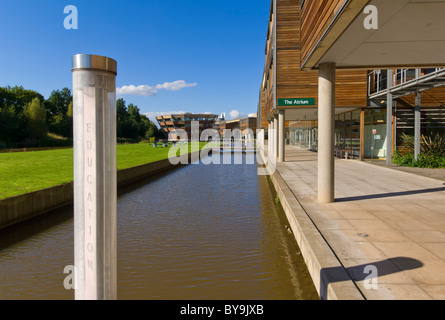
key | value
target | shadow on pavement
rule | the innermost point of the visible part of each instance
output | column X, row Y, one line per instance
column 364, row 272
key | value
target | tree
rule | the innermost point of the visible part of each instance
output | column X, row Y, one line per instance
column 35, row 115
column 58, row 101
column 25, row 114
column 133, row 112
column 59, row 125
column 127, row 120
column 132, row 124
column 18, row 97
column 151, row 133
column 10, row 129
column 69, row 117
column 121, row 110
column 12, row 120
column 57, row 106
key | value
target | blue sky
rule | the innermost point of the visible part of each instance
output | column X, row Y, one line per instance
column 211, row 50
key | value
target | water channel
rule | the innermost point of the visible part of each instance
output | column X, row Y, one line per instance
column 195, row 232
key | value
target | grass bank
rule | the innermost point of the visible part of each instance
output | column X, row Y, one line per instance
column 25, row 172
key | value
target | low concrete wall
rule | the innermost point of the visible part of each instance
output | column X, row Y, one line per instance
column 23, row 207
column 329, row 276
column 17, row 209
column 127, row 176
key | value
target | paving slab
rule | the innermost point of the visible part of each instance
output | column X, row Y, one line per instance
column 387, row 220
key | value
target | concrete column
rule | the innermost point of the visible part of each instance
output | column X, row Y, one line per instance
column 275, row 140
column 417, row 124
column 326, row 132
column 362, row 135
column 268, row 138
column 310, row 138
column 389, row 120
column 272, row 137
column 281, row 136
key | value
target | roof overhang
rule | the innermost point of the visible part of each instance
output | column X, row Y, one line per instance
column 411, row 33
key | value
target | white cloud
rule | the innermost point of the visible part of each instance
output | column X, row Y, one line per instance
column 175, row 85
column 234, row 114
column 137, row 91
column 150, row 91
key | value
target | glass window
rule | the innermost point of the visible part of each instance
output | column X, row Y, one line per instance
column 355, row 134
column 375, row 116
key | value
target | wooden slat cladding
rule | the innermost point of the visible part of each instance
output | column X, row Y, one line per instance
column 267, row 86
column 288, row 27
column 292, row 82
column 351, row 88
column 264, row 122
column 268, row 105
column 269, row 52
column 316, row 17
column 261, row 112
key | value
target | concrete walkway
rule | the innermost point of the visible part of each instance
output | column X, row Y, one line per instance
column 384, row 222
column 438, row 174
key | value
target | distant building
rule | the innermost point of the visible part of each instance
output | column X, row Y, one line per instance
column 247, row 126
column 171, row 124
column 220, row 121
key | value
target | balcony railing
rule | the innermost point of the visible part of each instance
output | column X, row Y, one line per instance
column 377, row 79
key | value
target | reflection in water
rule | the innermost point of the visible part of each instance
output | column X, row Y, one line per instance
column 33, row 256
column 197, row 232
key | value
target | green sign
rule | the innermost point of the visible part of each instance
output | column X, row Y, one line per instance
column 296, row 102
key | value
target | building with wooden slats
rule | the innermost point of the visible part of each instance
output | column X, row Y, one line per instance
column 173, row 125
column 348, row 76
column 247, row 127
column 287, row 89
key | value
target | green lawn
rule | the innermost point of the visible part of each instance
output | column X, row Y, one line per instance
column 24, row 172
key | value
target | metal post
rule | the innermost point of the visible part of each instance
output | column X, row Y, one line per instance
column 310, row 137
column 281, row 136
column 272, row 137
column 389, row 104
column 275, row 136
column 95, row 190
column 417, row 124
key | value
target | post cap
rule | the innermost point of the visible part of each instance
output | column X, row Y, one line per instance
column 94, row 62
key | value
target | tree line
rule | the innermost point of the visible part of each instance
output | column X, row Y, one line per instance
column 27, row 119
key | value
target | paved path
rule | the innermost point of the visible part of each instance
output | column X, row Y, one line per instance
column 426, row 172
column 386, row 218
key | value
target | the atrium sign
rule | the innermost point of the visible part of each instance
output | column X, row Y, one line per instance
column 296, row 102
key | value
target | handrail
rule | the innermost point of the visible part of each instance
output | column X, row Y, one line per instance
column 377, row 84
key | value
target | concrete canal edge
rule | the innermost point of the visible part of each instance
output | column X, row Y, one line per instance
column 20, row 208
column 328, row 274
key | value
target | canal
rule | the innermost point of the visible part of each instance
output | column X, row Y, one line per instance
column 195, row 232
